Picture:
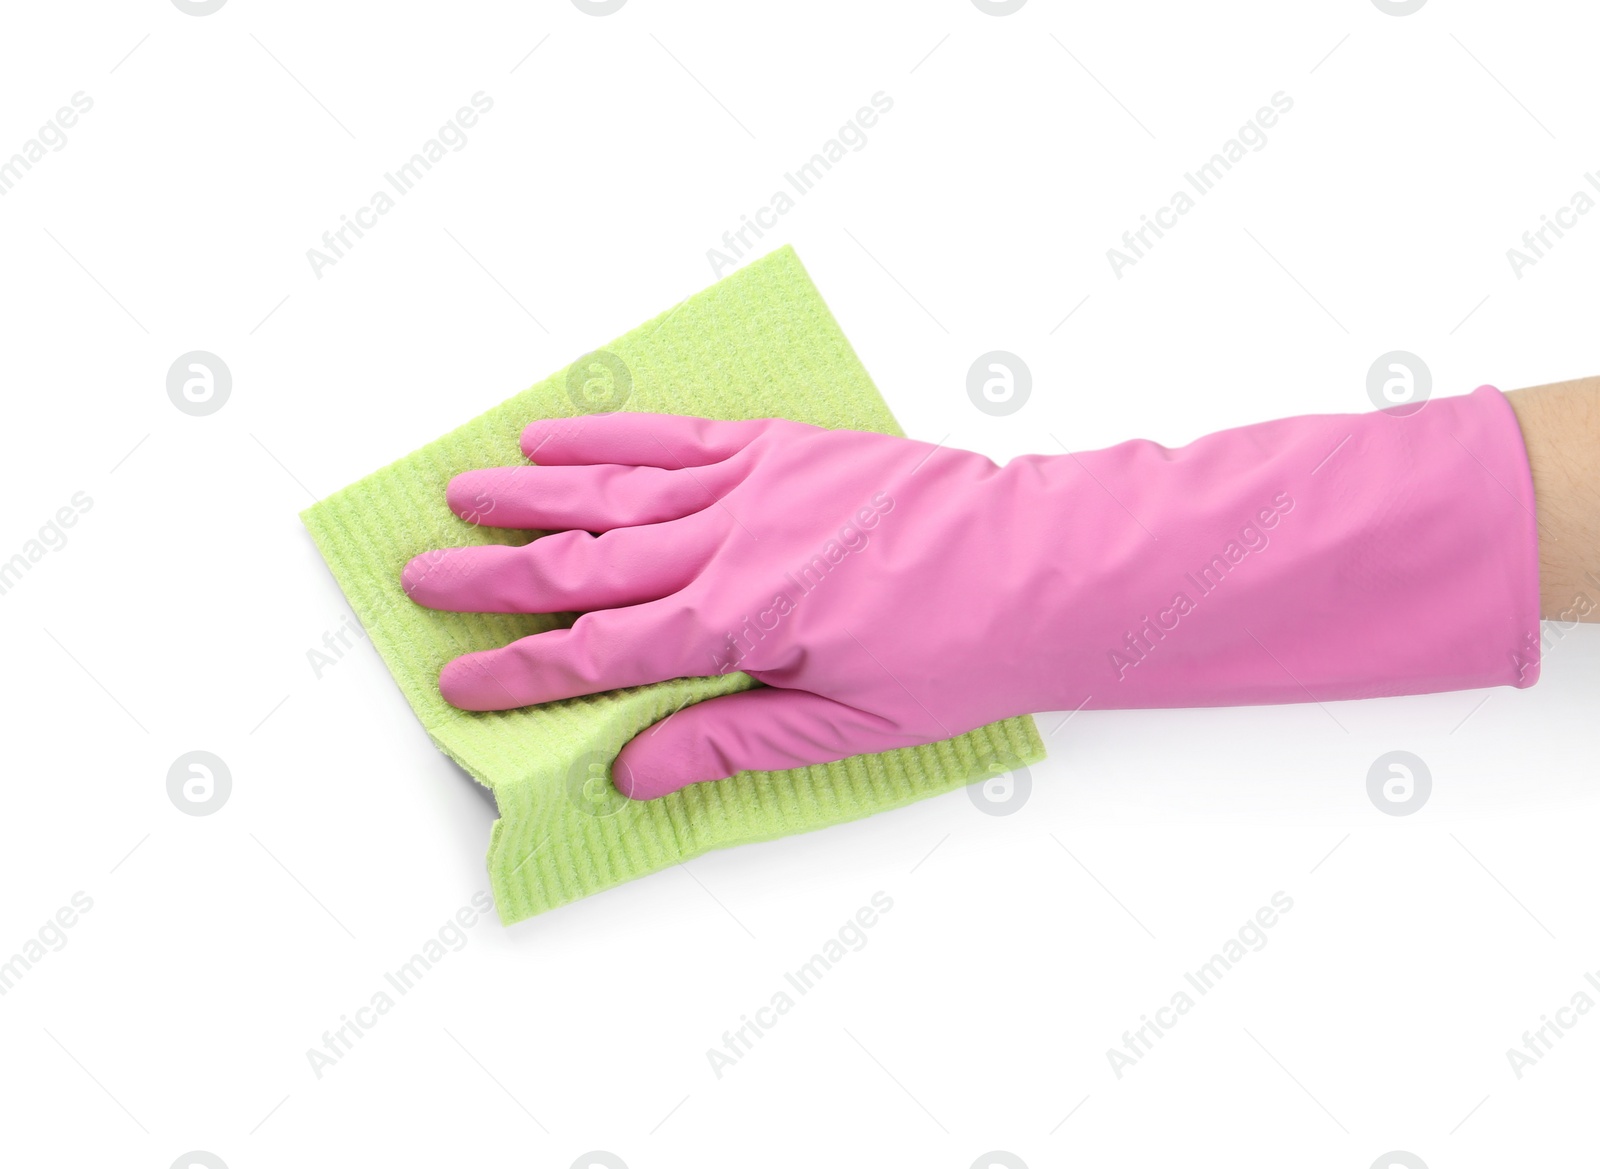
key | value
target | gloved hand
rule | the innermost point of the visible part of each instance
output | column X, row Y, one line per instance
column 889, row 592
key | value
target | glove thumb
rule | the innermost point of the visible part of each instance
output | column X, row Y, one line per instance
column 766, row 729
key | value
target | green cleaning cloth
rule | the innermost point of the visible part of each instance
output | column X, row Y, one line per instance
column 758, row 344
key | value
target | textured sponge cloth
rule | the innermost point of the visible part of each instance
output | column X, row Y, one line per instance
column 760, row 343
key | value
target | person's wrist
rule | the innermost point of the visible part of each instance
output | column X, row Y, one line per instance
column 1560, row 426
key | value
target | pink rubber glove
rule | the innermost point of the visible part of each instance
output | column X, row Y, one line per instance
column 889, row 592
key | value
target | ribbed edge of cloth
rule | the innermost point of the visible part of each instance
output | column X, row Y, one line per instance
column 758, row 344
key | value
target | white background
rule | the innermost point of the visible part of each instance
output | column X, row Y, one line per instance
column 178, row 617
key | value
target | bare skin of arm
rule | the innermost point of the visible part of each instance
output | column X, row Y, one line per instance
column 1561, row 429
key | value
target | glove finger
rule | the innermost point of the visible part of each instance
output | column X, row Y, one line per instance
column 566, row 572
column 640, row 440
column 768, row 729
column 604, row 650
column 590, row 499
